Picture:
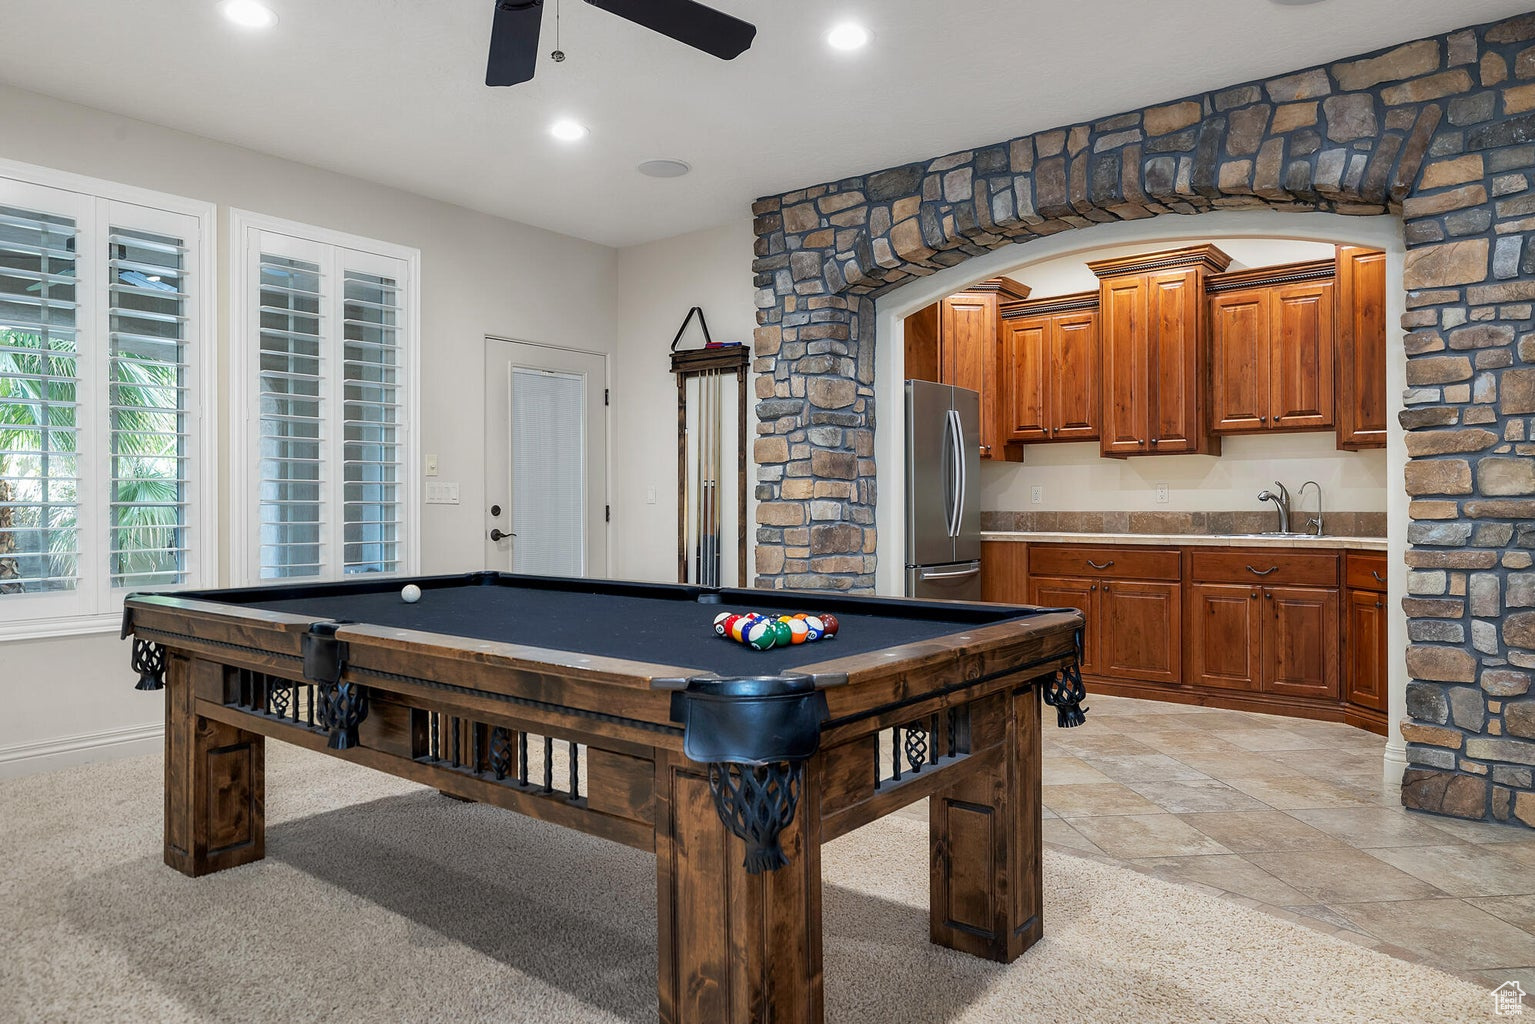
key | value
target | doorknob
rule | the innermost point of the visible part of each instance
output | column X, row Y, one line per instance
column 498, row 535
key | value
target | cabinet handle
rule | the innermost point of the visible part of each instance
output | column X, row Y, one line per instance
column 1253, row 595
column 1263, row 419
column 1262, row 572
column 985, row 449
column 1377, row 576
column 1153, row 442
column 1093, row 587
column 1379, row 605
column 1095, row 565
column 1267, row 596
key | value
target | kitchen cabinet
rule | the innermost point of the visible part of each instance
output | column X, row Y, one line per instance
column 1272, row 346
column 955, row 341
column 1364, row 631
column 1131, row 600
column 1153, row 330
column 1361, row 364
column 1049, row 378
column 1279, row 607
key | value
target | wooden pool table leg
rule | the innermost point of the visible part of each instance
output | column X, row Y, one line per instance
column 735, row 948
column 215, row 815
column 987, row 897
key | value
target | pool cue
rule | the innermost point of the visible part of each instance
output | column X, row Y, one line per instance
column 719, row 440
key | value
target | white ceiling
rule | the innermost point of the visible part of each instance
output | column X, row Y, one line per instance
column 392, row 90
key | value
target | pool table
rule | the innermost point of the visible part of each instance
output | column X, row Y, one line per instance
column 613, row 708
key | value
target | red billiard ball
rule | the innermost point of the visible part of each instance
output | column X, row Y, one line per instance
column 830, row 622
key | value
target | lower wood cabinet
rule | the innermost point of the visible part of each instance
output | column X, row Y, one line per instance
column 1299, row 632
column 1364, row 632
column 1131, row 599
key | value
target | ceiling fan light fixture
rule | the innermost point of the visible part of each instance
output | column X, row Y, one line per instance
column 847, row 36
column 567, row 130
column 249, row 13
column 665, row 168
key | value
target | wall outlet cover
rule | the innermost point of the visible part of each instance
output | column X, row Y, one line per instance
column 1164, row 494
column 1036, row 494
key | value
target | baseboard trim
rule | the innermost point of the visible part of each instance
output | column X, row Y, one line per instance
column 67, row 751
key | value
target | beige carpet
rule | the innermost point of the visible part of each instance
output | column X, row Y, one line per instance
column 381, row 901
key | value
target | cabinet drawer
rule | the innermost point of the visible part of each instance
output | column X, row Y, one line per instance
column 1260, row 565
column 1116, row 562
column 1367, row 570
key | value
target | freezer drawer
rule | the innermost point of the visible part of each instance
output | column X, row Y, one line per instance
column 956, row 581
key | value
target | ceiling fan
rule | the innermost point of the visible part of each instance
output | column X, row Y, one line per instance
column 514, row 34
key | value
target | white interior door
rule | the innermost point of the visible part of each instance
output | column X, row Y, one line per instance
column 545, row 460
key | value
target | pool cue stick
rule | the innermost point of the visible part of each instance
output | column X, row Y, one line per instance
column 719, row 443
column 706, row 486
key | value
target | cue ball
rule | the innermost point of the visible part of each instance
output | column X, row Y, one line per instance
column 410, row 593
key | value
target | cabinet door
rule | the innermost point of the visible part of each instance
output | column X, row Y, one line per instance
column 1239, row 361
column 1300, row 641
column 968, row 337
column 1301, row 356
column 1174, row 301
column 1139, row 627
column 1126, row 368
column 1361, row 312
column 1364, row 639
column 1224, row 625
column 1025, row 399
column 1052, row 592
column 1074, row 377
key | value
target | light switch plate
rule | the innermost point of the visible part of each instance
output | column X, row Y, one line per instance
column 441, row 493
column 431, row 465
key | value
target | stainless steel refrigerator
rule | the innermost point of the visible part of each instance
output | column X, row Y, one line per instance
column 943, row 518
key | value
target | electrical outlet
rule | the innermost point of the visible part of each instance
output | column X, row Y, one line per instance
column 1036, row 494
column 1163, row 494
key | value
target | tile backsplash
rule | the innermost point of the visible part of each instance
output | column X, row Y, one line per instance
column 1336, row 524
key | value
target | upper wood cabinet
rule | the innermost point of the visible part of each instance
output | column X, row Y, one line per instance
column 1272, row 341
column 955, row 341
column 1361, row 277
column 1152, row 328
column 1049, row 377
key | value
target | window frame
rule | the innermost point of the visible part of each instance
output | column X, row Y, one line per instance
column 95, row 606
column 246, row 230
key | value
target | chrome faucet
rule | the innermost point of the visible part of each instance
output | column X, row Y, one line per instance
column 1281, row 503
column 1317, row 522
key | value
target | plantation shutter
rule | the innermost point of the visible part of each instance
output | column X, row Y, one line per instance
column 40, row 363
column 147, row 409
column 291, row 435
column 372, row 453
column 329, row 422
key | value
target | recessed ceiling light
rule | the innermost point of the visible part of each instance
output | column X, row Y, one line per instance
column 567, row 130
column 249, row 13
column 665, row 168
column 847, row 36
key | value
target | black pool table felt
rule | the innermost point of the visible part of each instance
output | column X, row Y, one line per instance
column 647, row 629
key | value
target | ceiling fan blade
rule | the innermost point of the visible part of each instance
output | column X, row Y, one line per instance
column 514, row 42
column 700, row 27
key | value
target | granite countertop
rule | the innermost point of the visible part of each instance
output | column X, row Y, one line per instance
column 1189, row 540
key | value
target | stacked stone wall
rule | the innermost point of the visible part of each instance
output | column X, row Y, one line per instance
column 1440, row 131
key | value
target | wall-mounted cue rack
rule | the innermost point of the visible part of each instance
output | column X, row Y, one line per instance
column 702, row 495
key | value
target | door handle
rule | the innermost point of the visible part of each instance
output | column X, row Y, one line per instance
column 925, row 575
column 1262, row 572
column 497, row 535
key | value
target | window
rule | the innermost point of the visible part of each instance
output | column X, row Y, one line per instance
column 104, row 360
column 325, row 387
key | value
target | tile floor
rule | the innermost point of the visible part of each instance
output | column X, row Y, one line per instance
column 1293, row 817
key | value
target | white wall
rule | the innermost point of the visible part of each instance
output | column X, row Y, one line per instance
column 657, row 284
column 480, row 275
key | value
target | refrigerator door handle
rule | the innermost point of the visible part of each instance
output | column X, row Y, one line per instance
column 964, row 476
column 925, row 575
column 955, row 429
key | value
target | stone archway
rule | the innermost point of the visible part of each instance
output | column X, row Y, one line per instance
column 1440, row 132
